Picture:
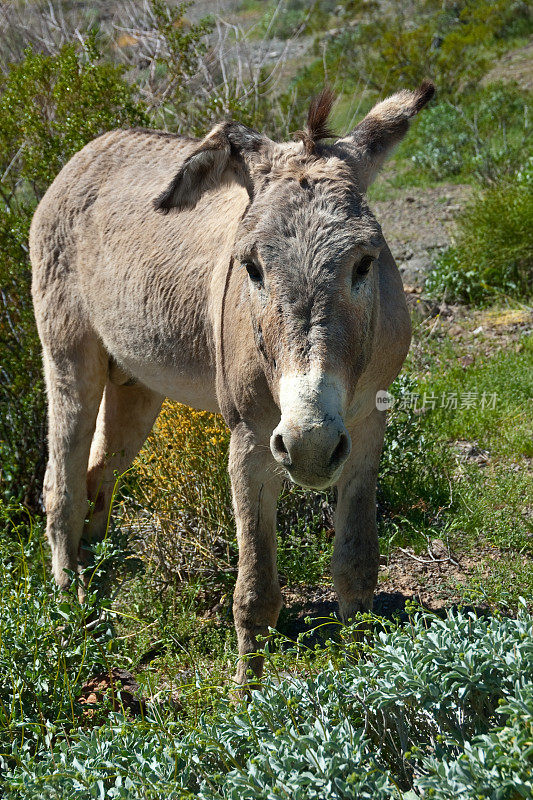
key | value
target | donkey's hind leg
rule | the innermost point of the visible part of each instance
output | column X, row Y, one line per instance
column 126, row 416
column 75, row 380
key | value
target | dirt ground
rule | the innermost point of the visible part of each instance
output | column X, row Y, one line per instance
column 432, row 579
column 417, row 224
column 516, row 65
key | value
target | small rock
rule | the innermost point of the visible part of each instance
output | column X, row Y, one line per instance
column 122, row 687
column 471, row 451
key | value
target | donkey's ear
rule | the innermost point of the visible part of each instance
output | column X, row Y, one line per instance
column 222, row 157
column 383, row 128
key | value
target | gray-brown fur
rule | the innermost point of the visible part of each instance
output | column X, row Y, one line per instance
column 133, row 305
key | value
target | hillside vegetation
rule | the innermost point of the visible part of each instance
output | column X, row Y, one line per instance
column 128, row 695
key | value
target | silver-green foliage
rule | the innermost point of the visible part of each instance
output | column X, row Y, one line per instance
column 498, row 765
column 439, row 705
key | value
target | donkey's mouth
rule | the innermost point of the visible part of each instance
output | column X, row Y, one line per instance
column 316, row 483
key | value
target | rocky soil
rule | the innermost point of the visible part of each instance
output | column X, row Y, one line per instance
column 418, row 224
column 432, row 579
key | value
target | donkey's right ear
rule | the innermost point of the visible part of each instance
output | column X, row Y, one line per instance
column 223, row 156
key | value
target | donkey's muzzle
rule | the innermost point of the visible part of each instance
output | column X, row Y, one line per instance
column 312, row 455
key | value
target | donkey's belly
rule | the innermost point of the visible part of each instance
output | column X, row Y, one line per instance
column 192, row 386
column 195, row 391
column 155, row 322
column 172, row 359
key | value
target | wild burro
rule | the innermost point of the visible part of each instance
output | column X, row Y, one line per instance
column 234, row 274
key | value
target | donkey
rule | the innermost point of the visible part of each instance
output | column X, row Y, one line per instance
column 236, row 275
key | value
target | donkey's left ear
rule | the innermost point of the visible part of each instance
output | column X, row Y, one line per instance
column 383, row 127
column 224, row 156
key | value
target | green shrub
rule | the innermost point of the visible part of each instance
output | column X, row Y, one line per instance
column 493, row 252
column 484, row 136
column 412, row 482
column 50, row 107
column 305, row 535
column 181, row 480
column 22, row 401
column 46, row 651
column 441, row 139
column 414, row 711
column 454, row 43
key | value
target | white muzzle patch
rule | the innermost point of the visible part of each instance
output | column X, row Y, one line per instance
column 311, row 440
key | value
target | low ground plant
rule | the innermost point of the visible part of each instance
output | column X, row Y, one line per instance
column 413, row 479
column 47, row 650
column 413, row 707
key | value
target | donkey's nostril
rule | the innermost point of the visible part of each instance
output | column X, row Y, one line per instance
column 341, row 452
column 280, row 451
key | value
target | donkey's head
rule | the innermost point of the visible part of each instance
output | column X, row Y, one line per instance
column 309, row 243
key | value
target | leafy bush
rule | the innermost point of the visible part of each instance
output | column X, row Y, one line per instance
column 485, row 136
column 493, row 251
column 441, row 139
column 305, row 535
column 46, row 650
column 414, row 711
column 181, row 480
column 412, row 482
column 50, row 106
column 22, row 402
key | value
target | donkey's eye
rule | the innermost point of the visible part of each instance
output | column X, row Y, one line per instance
column 254, row 273
column 362, row 268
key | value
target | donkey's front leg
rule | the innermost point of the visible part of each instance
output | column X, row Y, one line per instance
column 257, row 598
column 355, row 561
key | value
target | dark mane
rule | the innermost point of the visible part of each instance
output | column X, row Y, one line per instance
column 317, row 127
